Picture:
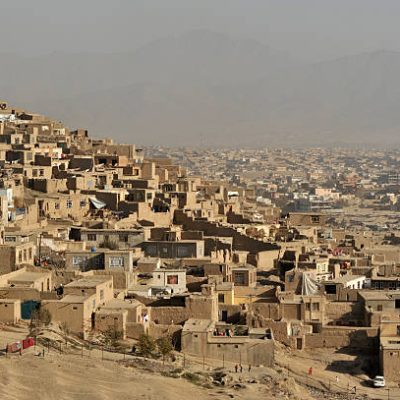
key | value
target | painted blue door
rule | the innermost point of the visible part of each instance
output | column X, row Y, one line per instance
column 27, row 307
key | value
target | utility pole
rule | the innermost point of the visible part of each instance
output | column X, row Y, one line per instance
column 40, row 249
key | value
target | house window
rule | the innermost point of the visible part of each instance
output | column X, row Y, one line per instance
column 79, row 260
column 116, row 261
column 101, row 294
column 315, row 219
column 315, row 306
column 308, row 306
column 82, row 203
column 69, row 203
column 123, row 238
column 172, row 279
column 379, row 307
column 221, row 298
column 91, row 237
column 57, row 206
column 240, row 278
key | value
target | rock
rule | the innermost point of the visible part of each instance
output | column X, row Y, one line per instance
column 239, row 386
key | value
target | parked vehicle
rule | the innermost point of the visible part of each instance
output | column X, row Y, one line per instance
column 378, row 381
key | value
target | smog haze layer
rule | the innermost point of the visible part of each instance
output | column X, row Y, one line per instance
column 215, row 72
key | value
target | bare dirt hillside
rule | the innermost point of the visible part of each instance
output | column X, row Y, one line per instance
column 70, row 377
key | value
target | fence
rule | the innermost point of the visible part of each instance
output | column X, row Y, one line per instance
column 348, row 390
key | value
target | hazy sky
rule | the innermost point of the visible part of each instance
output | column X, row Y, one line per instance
column 307, row 29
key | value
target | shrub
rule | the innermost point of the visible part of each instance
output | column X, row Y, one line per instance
column 146, row 345
column 111, row 337
column 164, row 346
column 40, row 317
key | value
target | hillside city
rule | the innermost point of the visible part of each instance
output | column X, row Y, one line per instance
column 239, row 261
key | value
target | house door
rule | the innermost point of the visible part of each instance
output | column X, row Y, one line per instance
column 299, row 343
column 224, row 315
column 93, row 319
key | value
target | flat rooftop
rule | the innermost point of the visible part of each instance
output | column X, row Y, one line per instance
column 379, row 295
column 9, row 301
column 90, row 282
column 28, row 277
column 344, row 279
column 390, row 342
column 198, row 325
column 72, row 298
column 117, row 304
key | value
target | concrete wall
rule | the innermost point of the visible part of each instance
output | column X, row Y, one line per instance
column 195, row 307
column 363, row 338
column 114, row 320
column 8, row 259
column 20, row 293
column 10, row 311
column 390, row 364
column 76, row 316
column 344, row 311
column 173, row 249
column 259, row 313
column 236, row 349
column 103, row 291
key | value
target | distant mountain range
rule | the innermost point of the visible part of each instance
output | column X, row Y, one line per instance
column 205, row 88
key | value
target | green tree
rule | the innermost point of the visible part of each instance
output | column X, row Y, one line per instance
column 111, row 337
column 164, row 346
column 146, row 345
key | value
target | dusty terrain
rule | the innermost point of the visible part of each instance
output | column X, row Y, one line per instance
column 72, row 377
column 75, row 374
